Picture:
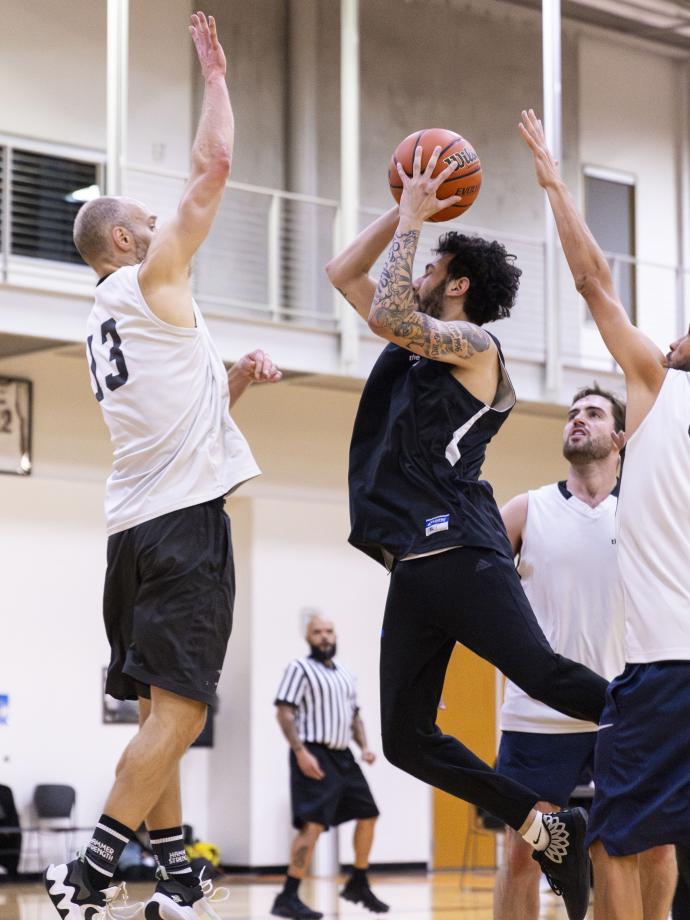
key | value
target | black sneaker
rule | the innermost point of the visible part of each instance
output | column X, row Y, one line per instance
column 565, row 861
column 174, row 901
column 361, row 893
column 75, row 898
column 289, row 905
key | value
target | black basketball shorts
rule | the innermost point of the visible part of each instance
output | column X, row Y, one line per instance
column 167, row 604
column 342, row 795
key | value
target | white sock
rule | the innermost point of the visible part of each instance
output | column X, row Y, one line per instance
column 536, row 834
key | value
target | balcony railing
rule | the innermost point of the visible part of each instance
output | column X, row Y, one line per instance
column 264, row 259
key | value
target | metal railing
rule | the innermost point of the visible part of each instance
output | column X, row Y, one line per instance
column 266, row 252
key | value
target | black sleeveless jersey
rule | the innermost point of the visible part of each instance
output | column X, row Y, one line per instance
column 417, row 449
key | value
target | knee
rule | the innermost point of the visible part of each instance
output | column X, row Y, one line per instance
column 659, row 859
column 396, row 747
column 311, row 830
column 182, row 726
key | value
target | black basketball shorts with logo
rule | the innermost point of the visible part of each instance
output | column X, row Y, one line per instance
column 167, row 604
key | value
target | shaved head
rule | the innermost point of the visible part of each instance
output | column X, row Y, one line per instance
column 316, row 623
column 96, row 221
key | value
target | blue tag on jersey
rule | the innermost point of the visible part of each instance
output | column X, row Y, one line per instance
column 434, row 524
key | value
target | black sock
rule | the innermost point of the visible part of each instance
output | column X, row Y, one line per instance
column 168, row 848
column 104, row 850
column 291, row 884
column 359, row 876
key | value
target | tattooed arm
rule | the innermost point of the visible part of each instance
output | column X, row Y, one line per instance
column 306, row 761
column 394, row 315
column 348, row 272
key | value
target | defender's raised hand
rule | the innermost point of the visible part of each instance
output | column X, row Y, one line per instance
column 209, row 50
column 532, row 133
column 418, row 201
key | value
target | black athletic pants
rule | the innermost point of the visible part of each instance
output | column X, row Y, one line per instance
column 472, row 596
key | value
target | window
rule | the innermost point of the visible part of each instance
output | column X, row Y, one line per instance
column 610, row 214
column 42, row 204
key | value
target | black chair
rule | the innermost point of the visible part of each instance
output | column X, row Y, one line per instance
column 10, row 833
column 53, row 807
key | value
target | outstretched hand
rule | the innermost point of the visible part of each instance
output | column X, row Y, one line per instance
column 418, row 201
column 209, row 50
column 532, row 133
column 258, row 367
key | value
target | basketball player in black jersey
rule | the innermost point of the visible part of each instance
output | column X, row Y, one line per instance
column 433, row 401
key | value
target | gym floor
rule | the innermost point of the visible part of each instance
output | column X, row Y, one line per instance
column 438, row 896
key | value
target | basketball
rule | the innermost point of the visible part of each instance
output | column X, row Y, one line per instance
column 465, row 181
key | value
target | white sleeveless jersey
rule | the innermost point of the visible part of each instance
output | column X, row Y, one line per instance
column 163, row 391
column 569, row 572
column 654, row 528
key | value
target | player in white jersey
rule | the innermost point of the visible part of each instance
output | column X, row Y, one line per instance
column 169, row 585
column 642, row 764
column 564, row 534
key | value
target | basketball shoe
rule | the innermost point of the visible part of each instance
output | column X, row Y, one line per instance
column 75, row 898
column 565, row 861
column 359, row 892
column 174, row 901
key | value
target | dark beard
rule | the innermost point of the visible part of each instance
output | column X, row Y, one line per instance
column 323, row 654
column 585, row 451
column 432, row 303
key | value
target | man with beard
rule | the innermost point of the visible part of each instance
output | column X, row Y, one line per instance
column 434, row 399
column 642, row 759
column 169, row 585
column 318, row 713
column 564, row 534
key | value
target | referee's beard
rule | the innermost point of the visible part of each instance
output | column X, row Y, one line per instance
column 323, row 652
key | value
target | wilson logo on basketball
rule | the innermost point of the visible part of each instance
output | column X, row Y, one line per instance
column 461, row 158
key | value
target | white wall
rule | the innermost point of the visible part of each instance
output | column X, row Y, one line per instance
column 53, row 56
column 628, row 117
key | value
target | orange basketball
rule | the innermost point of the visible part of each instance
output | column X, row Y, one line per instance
column 465, row 181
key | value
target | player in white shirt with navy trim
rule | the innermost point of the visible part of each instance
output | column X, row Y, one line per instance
column 564, row 534
column 642, row 764
column 169, row 586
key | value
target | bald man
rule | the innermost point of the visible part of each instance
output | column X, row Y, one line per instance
column 318, row 713
column 169, row 585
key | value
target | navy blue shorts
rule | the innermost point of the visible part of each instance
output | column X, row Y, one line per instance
column 342, row 795
column 552, row 765
column 642, row 762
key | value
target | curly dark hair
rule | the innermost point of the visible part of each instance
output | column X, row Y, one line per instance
column 494, row 278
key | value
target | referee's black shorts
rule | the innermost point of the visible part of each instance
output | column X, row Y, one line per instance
column 342, row 795
column 167, row 603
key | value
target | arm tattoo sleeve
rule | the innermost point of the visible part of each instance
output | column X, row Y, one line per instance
column 394, row 308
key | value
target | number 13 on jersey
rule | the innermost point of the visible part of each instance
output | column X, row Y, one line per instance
column 115, row 357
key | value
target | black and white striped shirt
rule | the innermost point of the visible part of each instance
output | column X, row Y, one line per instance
column 325, row 699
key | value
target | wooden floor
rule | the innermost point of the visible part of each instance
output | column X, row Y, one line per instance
column 412, row 897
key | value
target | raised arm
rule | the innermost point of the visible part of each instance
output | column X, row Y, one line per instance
column 514, row 514
column 394, row 313
column 168, row 259
column 642, row 362
column 348, row 272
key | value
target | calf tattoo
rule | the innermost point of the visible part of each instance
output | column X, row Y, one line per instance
column 395, row 308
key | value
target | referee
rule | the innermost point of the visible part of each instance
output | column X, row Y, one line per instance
column 318, row 713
